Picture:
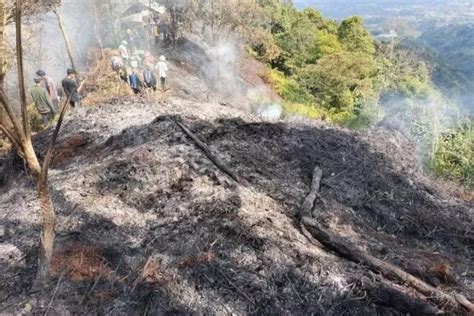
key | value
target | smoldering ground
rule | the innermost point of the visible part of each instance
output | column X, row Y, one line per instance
column 147, row 224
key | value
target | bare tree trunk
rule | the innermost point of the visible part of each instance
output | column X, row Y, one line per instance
column 65, row 37
column 93, row 6
column 21, row 75
column 26, row 149
column 47, row 232
column 3, row 40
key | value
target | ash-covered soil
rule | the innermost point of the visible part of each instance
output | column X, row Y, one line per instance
column 148, row 225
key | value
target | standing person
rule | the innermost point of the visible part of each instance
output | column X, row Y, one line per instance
column 135, row 60
column 156, row 31
column 123, row 74
column 133, row 38
column 116, row 62
column 162, row 68
column 163, row 31
column 42, row 102
column 123, row 49
column 135, row 81
column 49, row 84
column 71, row 88
column 149, row 78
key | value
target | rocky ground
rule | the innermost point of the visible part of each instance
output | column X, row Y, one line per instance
column 148, row 225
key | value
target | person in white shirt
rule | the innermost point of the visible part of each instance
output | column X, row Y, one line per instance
column 162, row 68
column 123, row 49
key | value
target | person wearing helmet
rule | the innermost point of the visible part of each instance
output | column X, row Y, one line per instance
column 71, row 88
column 162, row 68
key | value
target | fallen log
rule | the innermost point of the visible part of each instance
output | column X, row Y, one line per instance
column 384, row 294
column 310, row 199
column 206, row 150
column 351, row 252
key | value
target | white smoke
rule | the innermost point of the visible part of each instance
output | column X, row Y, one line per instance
column 423, row 120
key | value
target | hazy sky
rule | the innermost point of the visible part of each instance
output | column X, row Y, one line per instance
column 306, row 3
column 344, row 8
column 310, row 2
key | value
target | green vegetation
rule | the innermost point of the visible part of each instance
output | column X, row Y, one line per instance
column 454, row 158
column 323, row 69
column 337, row 72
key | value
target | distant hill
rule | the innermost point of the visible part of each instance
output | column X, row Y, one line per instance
column 454, row 47
column 454, row 43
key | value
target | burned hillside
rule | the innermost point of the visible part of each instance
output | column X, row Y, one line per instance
column 226, row 157
column 148, row 225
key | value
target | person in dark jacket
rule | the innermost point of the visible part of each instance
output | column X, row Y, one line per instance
column 70, row 86
column 42, row 101
column 136, row 83
column 149, row 78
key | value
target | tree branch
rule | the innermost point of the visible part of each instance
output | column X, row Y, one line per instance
column 209, row 154
column 349, row 251
column 10, row 136
column 308, row 203
column 62, row 28
column 54, row 138
column 21, row 75
column 11, row 115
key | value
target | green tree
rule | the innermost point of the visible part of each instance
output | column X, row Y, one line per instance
column 327, row 44
column 341, row 81
column 355, row 37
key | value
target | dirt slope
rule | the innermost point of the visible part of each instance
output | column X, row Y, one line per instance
column 148, row 225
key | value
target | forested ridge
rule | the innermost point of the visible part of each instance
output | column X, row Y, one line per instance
column 336, row 71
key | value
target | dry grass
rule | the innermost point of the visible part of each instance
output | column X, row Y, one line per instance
column 103, row 84
column 152, row 273
column 70, row 147
column 81, row 262
column 5, row 144
column 200, row 258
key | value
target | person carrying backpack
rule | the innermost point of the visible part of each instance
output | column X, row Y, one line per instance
column 149, row 78
column 135, row 81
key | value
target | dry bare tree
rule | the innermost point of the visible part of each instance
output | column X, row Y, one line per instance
column 227, row 19
column 64, row 34
column 16, row 128
column 178, row 11
column 96, row 21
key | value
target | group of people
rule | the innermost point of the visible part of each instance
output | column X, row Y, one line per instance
column 139, row 69
column 47, row 96
column 136, row 68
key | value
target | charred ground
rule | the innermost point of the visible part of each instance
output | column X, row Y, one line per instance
column 148, row 225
